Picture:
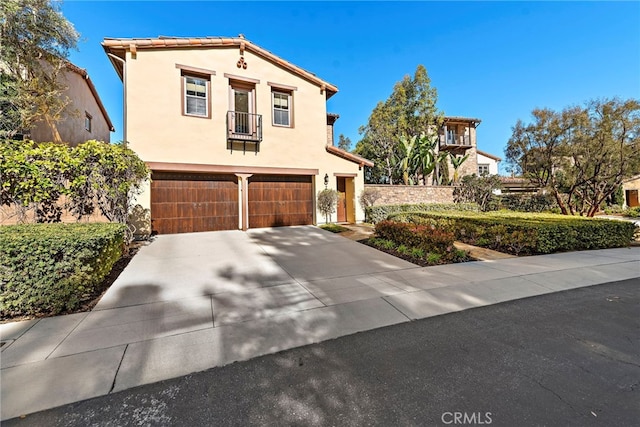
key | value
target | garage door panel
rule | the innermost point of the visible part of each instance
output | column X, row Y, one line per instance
column 184, row 203
column 280, row 201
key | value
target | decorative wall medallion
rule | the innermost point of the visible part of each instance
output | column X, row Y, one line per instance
column 241, row 63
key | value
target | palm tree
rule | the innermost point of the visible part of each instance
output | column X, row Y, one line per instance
column 456, row 162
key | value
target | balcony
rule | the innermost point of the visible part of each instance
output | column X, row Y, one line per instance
column 455, row 142
column 244, row 127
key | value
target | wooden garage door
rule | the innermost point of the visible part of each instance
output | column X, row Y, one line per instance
column 276, row 200
column 185, row 203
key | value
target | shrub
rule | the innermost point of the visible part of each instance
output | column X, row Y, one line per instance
column 632, row 212
column 433, row 258
column 49, row 268
column 614, row 209
column 427, row 238
column 91, row 175
column 375, row 214
column 528, row 203
column 521, row 233
column 327, row 200
column 478, row 189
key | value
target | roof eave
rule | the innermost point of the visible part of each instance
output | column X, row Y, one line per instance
column 110, row 45
column 361, row 161
column 92, row 88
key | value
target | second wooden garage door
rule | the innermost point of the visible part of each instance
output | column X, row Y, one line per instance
column 276, row 200
column 185, row 203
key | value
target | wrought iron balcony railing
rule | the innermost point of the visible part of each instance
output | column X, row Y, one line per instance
column 245, row 127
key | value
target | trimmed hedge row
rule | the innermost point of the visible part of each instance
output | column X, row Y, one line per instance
column 375, row 214
column 50, row 268
column 521, row 233
column 424, row 237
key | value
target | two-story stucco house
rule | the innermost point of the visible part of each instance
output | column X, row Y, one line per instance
column 236, row 137
column 84, row 117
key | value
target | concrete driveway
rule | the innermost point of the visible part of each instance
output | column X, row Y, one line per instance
column 277, row 264
column 190, row 302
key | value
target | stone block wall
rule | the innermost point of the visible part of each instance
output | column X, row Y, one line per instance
column 412, row 194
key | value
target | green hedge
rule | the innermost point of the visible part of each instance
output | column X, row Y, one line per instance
column 49, row 268
column 375, row 214
column 528, row 202
column 522, row 233
column 424, row 237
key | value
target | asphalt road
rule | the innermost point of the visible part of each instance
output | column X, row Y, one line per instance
column 564, row 359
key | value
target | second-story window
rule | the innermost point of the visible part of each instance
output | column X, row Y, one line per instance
column 196, row 96
column 87, row 122
column 281, row 109
column 483, row 169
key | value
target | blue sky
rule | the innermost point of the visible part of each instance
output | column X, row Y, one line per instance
column 492, row 60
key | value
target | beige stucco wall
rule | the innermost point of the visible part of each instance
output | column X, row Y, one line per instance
column 71, row 128
column 632, row 184
column 411, row 194
column 158, row 132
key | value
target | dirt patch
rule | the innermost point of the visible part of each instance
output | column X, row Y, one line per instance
column 91, row 299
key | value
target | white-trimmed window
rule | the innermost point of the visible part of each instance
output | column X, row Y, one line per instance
column 281, row 108
column 483, row 169
column 196, row 96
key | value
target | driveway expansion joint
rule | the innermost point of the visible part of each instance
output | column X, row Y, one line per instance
column 115, row 376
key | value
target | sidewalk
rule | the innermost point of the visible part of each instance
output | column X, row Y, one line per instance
column 55, row 361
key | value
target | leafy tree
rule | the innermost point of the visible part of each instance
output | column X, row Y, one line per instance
column 344, row 142
column 327, row 200
column 33, row 177
column 36, row 40
column 379, row 173
column 92, row 175
column 477, row 189
column 410, row 110
column 580, row 154
column 109, row 174
column 368, row 197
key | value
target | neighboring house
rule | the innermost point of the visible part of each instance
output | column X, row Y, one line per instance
column 517, row 184
column 235, row 136
column 458, row 136
column 488, row 164
column 85, row 117
column 631, row 188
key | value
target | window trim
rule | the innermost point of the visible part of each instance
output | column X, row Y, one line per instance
column 289, row 94
column 88, row 119
column 183, row 92
column 487, row 165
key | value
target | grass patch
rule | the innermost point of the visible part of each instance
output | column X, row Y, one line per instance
column 334, row 228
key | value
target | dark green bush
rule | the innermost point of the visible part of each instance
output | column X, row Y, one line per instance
column 632, row 212
column 528, row 202
column 375, row 214
column 521, row 233
column 49, row 268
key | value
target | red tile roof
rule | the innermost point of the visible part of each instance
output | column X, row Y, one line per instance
column 491, row 156
column 349, row 156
